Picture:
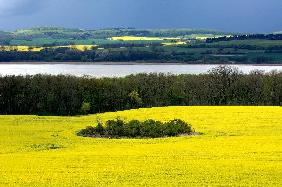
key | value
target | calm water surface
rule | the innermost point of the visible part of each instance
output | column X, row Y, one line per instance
column 116, row 70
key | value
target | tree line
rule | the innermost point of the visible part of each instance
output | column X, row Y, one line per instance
column 69, row 95
column 105, row 55
column 246, row 37
column 153, row 53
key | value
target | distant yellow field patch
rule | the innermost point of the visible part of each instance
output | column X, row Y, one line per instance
column 20, row 48
column 79, row 47
column 36, row 49
column 135, row 38
column 173, row 43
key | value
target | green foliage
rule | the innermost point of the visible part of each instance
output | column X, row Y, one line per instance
column 88, row 131
column 85, row 107
column 99, row 128
column 135, row 99
column 67, row 95
column 152, row 128
column 134, row 128
column 115, row 127
column 177, row 126
column 136, row 52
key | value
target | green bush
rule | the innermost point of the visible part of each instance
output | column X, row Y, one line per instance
column 115, row 127
column 88, row 131
column 100, row 129
column 151, row 128
column 175, row 127
column 132, row 129
column 136, row 129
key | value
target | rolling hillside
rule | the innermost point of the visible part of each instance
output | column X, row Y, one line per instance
column 51, row 35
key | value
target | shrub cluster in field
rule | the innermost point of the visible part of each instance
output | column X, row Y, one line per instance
column 134, row 129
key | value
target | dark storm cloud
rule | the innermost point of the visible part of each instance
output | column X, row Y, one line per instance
column 228, row 15
column 17, row 7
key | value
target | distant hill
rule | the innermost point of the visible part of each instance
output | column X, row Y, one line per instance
column 59, row 35
column 104, row 33
column 4, row 34
column 134, row 45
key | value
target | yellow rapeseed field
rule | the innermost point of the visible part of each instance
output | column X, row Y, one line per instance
column 34, row 49
column 134, row 38
column 21, row 48
column 240, row 146
column 140, row 38
column 78, row 47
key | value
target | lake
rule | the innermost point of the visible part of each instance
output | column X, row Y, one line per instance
column 120, row 70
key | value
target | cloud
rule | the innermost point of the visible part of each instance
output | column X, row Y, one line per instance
column 15, row 7
column 232, row 15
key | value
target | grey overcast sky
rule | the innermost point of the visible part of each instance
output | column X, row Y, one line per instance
column 225, row 15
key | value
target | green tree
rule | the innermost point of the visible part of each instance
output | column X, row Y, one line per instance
column 135, row 99
column 85, row 107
